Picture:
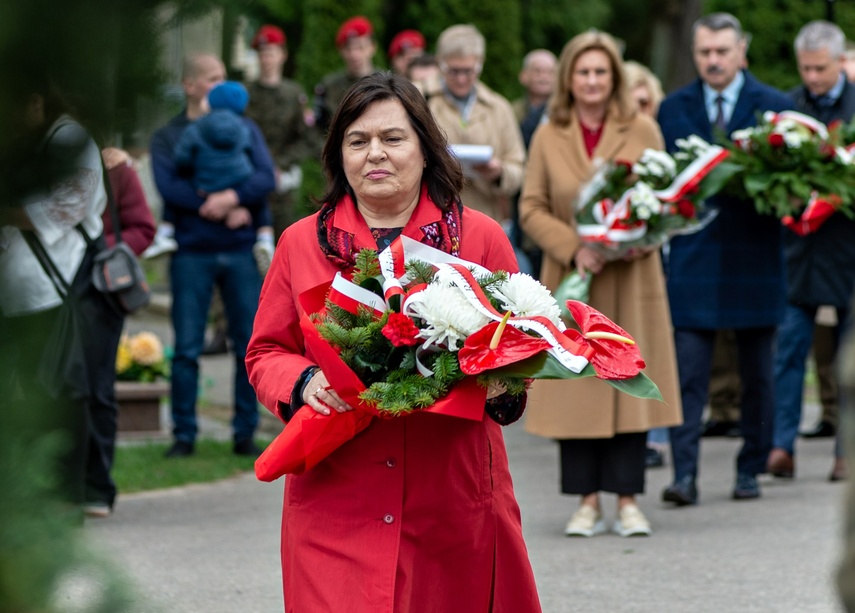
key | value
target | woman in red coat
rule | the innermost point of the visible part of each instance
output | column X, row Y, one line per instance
column 415, row 513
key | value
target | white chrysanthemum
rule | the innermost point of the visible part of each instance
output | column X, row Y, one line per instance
column 448, row 316
column 845, row 156
column 524, row 296
column 769, row 116
column 743, row 134
column 655, row 163
column 642, row 196
column 793, row 140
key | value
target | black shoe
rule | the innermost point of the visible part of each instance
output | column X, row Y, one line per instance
column 721, row 428
column 682, row 492
column 823, row 429
column 180, row 449
column 653, row 458
column 246, row 447
column 218, row 345
column 746, row 487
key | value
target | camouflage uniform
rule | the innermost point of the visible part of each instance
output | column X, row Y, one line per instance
column 278, row 111
column 328, row 95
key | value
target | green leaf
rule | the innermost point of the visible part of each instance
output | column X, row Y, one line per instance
column 640, row 386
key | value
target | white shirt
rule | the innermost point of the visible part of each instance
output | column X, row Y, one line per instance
column 80, row 198
column 729, row 95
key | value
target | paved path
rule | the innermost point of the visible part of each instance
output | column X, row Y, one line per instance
column 214, row 548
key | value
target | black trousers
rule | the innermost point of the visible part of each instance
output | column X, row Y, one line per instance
column 103, row 412
column 613, row 465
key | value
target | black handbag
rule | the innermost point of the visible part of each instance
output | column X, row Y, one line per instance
column 117, row 272
column 62, row 368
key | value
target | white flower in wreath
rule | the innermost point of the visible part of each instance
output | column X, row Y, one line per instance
column 524, row 296
column 794, row 140
column 644, row 201
column 655, row 163
column 742, row 135
column 845, row 156
column 448, row 316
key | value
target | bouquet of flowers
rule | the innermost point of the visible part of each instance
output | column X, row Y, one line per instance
column 625, row 207
column 140, row 357
column 414, row 328
column 796, row 169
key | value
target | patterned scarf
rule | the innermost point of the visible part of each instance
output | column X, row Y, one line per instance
column 339, row 246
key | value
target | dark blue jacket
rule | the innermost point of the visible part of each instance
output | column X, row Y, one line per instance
column 181, row 201
column 730, row 274
column 821, row 265
column 216, row 149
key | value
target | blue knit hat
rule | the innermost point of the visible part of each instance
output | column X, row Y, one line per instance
column 229, row 95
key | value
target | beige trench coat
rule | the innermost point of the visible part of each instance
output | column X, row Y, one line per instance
column 631, row 293
column 491, row 122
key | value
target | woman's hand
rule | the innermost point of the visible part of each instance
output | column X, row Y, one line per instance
column 639, row 252
column 588, row 260
column 319, row 395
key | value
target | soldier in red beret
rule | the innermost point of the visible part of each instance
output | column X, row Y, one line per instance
column 405, row 46
column 355, row 42
column 280, row 108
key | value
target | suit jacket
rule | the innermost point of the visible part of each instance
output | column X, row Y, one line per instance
column 731, row 273
column 630, row 293
column 821, row 265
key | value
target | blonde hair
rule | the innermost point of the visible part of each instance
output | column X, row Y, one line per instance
column 462, row 40
column 561, row 104
column 638, row 75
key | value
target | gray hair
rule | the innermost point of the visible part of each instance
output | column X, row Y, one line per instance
column 461, row 40
column 529, row 57
column 821, row 34
column 717, row 22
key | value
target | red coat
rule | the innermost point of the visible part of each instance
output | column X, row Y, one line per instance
column 415, row 514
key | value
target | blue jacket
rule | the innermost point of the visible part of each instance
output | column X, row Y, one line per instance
column 730, row 274
column 181, row 201
column 216, row 149
column 821, row 265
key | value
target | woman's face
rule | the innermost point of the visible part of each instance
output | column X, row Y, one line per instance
column 643, row 99
column 382, row 156
column 591, row 81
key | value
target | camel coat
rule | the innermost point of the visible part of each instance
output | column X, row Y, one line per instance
column 492, row 122
column 630, row 293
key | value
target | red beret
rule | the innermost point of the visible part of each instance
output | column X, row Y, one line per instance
column 353, row 27
column 268, row 35
column 408, row 39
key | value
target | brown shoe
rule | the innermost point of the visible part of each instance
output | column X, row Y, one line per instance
column 781, row 464
column 839, row 472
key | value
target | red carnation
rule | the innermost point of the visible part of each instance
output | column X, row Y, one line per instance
column 401, row 331
column 686, row 208
column 776, row 140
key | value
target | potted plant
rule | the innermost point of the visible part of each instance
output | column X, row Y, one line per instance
column 142, row 372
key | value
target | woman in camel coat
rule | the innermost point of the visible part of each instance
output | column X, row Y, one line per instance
column 602, row 432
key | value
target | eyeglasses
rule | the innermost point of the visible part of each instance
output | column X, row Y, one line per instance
column 461, row 72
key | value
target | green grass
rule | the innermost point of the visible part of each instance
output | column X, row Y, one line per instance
column 142, row 467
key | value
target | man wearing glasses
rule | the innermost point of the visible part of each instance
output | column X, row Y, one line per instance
column 473, row 114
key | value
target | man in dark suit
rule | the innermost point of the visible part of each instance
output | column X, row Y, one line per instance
column 820, row 266
column 730, row 274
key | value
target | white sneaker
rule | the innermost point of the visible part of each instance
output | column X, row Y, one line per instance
column 586, row 521
column 263, row 252
column 97, row 509
column 632, row 522
column 160, row 245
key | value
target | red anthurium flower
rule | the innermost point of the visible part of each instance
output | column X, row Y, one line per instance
column 776, row 140
column 616, row 356
column 480, row 352
column 401, row 330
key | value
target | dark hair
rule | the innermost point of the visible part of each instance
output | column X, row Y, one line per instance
column 443, row 175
